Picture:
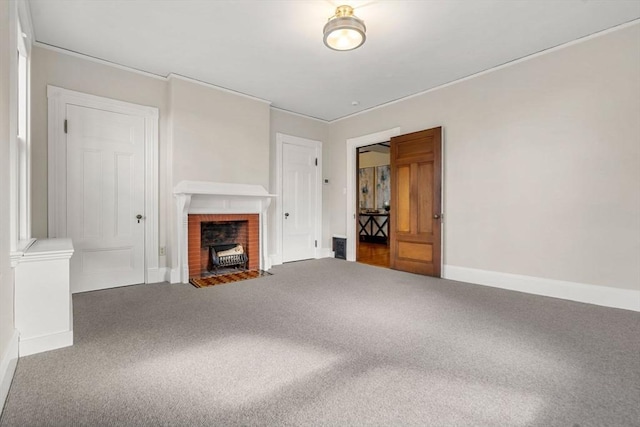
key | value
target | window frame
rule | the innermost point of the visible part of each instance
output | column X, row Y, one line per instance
column 20, row 142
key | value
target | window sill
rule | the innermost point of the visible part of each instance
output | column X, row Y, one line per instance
column 21, row 247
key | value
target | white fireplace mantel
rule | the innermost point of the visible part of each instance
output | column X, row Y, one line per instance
column 200, row 197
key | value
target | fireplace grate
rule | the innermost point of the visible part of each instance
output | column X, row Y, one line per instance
column 233, row 260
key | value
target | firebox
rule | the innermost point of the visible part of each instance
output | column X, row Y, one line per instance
column 236, row 236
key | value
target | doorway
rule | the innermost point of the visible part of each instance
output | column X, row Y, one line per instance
column 299, row 203
column 105, row 198
column 103, row 188
column 351, row 191
column 415, row 227
column 374, row 198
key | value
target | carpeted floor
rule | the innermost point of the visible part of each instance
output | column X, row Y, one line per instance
column 327, row 342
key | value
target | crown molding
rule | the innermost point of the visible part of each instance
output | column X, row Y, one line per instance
column 212, row 86
column 145, row 73
column 304, row 116
column 97, row 60
column 496, row 68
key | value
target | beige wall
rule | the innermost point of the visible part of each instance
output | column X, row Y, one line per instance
column 49, row 67
column 214, row 136
column 373, row 158
column 201, row 129
column 541, row 163
column 54, row 68
column 218, row 136
column 7, row 55
column 541, row 158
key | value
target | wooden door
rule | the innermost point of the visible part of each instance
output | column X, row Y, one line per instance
column 415, row 214
column 299, row 201
column 105, row 194
column 356, row 217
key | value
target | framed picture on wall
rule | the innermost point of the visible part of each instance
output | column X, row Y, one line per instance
column 367, row 188
column 383, row 187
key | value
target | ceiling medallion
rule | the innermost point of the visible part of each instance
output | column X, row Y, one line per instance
column 344, row 31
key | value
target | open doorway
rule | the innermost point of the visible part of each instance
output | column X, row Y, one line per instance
column 373, row 204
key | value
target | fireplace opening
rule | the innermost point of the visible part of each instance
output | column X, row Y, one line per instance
column 222, row 233
column 221, row 243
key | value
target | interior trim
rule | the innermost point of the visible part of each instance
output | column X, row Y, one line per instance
column 352, row 152
column 58, row 98
column 44, row 343
column 628, row 299
column 8, row 365
column 281, row 139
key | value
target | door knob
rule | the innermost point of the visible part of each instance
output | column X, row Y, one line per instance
column 138, row 217
column 286, row 215
column 436, row 216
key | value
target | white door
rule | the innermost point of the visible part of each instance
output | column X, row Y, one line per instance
column 299, row 202
column 105, row 193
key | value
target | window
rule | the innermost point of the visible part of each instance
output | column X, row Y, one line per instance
column 21, row 152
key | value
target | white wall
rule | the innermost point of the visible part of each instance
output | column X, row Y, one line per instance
column 7, row 46
column 8, row 90
column 541, row 163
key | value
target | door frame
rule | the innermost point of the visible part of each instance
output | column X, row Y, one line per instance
column 352, row 202
column 282, row 139
column 58, row 99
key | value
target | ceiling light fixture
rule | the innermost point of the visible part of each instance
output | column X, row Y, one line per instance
column 344, row 31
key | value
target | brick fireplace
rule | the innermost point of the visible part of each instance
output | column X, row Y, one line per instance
column 236, row 228
column 198, row 202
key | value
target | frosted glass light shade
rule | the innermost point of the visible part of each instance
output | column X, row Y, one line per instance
column 344, row 31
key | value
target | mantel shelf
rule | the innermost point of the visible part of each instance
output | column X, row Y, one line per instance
column 221, row 189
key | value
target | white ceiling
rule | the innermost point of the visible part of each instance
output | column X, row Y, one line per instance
column 272, row 49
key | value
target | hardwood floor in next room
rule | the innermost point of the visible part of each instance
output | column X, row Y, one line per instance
column 373, row 254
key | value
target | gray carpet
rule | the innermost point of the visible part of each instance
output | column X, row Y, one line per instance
column 328, row 342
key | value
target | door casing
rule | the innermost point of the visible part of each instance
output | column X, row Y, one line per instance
column 351, row 193
column 58, row 99
column 352, row 169
column 279, row 213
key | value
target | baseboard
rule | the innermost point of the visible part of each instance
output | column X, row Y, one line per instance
column 324, row 253
column 627, row 299
column 45, row 343
column 156, row 275
column 8, row 365
column 173, row 275
column 276, row 259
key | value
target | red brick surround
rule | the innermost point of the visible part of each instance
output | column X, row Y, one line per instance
column 198, row 257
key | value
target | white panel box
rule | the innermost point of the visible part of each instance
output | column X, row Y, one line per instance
column 44, row 315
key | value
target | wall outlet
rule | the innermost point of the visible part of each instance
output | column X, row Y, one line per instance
column 162, row 251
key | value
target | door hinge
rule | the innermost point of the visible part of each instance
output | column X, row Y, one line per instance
column 65, row 125
column 316, row 161
column 316, row 243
